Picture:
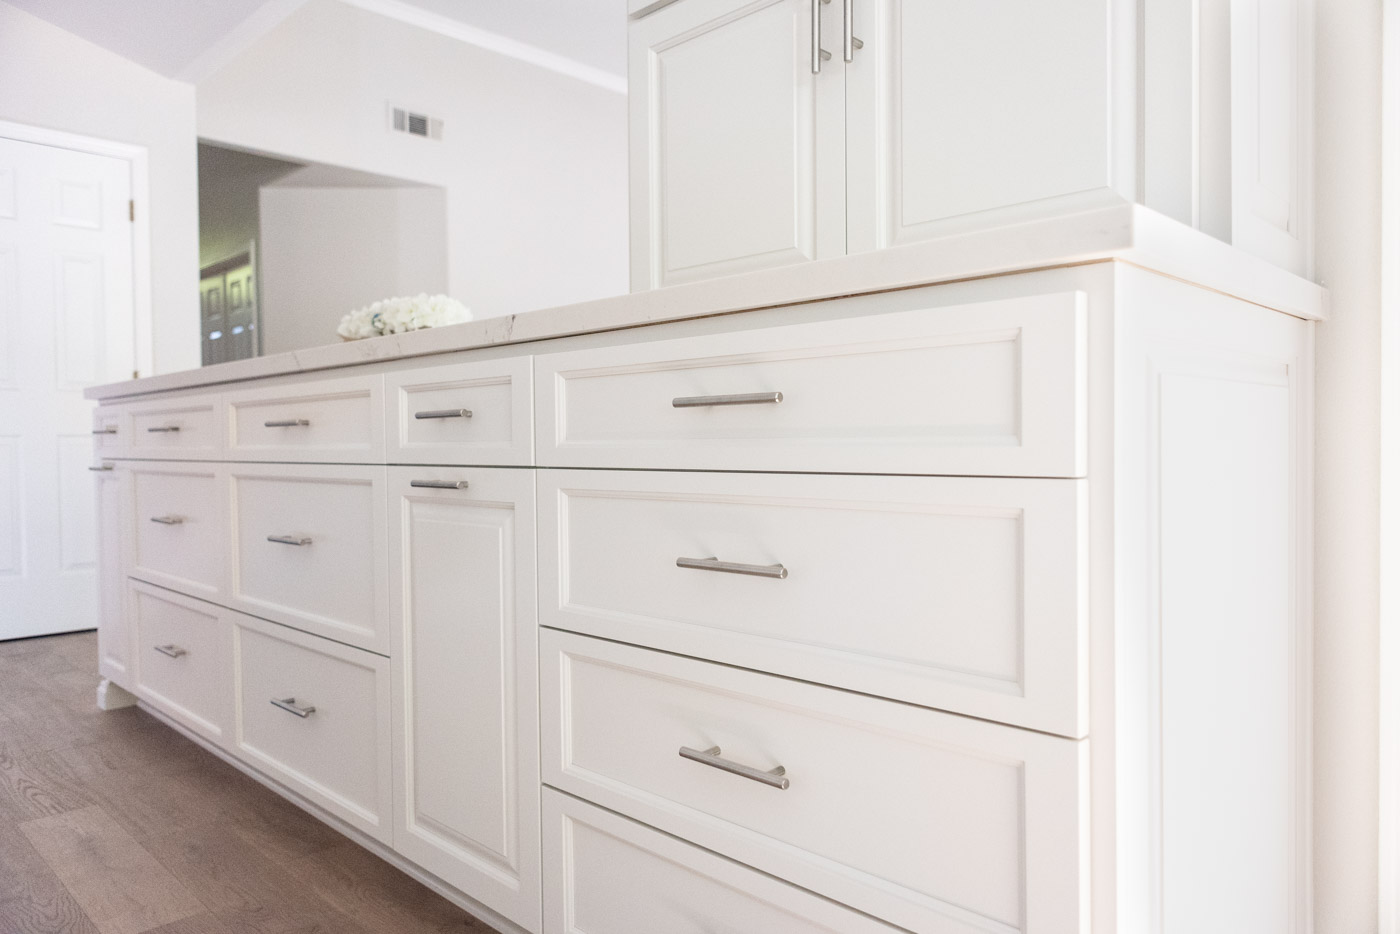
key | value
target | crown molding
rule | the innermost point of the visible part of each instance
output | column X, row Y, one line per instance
column 492, row 42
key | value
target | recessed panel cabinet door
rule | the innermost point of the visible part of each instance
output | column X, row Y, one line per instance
column 737, row 147
column 960, row 107
column 462, row 578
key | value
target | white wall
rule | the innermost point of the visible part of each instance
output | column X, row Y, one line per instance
column 1347, row 502
column 51, row 78
column 534, row 162
column 327, row 251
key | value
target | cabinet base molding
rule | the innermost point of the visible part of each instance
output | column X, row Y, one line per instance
column 112, row 696
column 416, row 873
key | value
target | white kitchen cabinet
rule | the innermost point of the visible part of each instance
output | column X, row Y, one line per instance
column 770, row 132
column 113, row 632
column 466, row 755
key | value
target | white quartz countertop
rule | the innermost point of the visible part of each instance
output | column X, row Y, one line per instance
column 1123, row 232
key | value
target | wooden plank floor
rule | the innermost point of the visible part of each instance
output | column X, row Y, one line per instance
column 113, row 823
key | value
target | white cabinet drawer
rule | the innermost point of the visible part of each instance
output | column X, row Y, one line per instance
column 996, row 388
column 930, row 821
column 182, row 658
column 965, row 594
column 110, row 430
column 332, row 420
column 179, row 526
column 314, row 715
column 184, row 427
column 310, row 548
column 463, row 413
column 466, row 670
column 605, row 873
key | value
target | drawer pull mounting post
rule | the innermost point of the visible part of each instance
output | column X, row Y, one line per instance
column 775, row 571
column 742, row 398
column 439, row 484
column 298, row 540
column 174, row 651
column 289, row 704
column 168, row 520
column 773, row 778
column 444, row 413
column 287, row 423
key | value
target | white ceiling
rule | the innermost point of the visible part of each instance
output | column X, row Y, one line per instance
column 173, row 37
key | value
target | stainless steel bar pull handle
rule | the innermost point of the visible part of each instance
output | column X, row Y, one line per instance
column 109, row 430
column 168, row 520
column 103, row 467
column 444, row 413
column 848, row 23
column 776, row 571
column 819, row 54
column 742, row 398
column 163, row 429
column 287, row 423
column 289, row 704
column 773, row 778
column 439, row 484
column 174, row 651
column 297, row 540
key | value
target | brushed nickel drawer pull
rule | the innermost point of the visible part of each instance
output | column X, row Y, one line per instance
column 162, row 429
column 287, row 423
column 110, row 430
column 103, row 467
column 289, row 704
column 444, row 413
column 174, row 651
column 743, row 398
column 297, row 540
column 439, row 484
column 168, row 520
column 773, row 778
column 776, row 571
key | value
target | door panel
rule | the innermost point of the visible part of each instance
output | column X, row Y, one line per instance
column 737, row 146
column 66, row 313
column 963, row 107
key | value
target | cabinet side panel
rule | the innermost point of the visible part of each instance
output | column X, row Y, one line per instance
column 1212, row 434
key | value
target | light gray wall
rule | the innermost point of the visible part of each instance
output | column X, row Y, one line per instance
column 1348, row 470
column 327, row 251
column 228, row 199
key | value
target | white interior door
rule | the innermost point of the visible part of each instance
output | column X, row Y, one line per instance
column 66, row 306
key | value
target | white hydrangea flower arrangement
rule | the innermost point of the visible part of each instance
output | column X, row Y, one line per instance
column 406, row 313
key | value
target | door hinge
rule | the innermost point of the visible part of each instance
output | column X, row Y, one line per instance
column 131, row 211
column 135, row 374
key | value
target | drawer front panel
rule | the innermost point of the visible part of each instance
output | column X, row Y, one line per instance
column 334, row 420
column 110, row 430
column 965, row 594
column 464, row 413
column 310, row 549
column 605, row 873
column 182, row 658
column 175, row 428
column 466, row 681
column 929, row 821
column 315, row 715
column 990, row 389
column 179, row 527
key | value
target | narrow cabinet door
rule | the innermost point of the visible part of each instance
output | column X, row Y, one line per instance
column 113, row 632
column 462, row 574
column 737, row 129
column 964, row 113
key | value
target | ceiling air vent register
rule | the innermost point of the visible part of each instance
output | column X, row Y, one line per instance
column 403, row 120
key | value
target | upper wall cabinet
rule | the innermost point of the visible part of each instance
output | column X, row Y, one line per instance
column 768, row 132
column 771, row 132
